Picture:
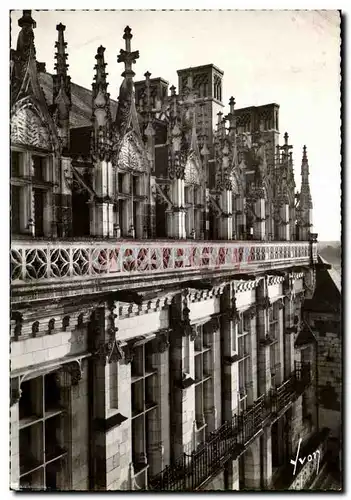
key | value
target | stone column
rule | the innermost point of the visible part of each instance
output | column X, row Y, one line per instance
column 262, row 304
column 229, row 353
column 14, row 433
column 150, row 189
column 106, row 468
column 226, row 220
column 266, row 443
column 284, row 225
column 102, row 210
column 64, row 218
column 158, row 431
column 252, row 468
column 177, row 215
column 259, row 227
column 73, row 381
column 241, row 217
column 182, row 377
column 233, row 475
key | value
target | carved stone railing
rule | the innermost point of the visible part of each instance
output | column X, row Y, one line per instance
column 36, row 260
column 191, row 472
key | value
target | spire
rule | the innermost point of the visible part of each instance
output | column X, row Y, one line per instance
column 62, row 82
column 305, row 194
column 100, row 84
column 61, row 88
column 232, row 120
column 148, row 104
column 61, row 56
column 285, row 148
column 100, row 98
column 127, row 56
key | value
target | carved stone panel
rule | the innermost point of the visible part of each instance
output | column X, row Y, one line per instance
column 27, row 128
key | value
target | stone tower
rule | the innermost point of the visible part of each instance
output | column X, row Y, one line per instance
column 206, row 82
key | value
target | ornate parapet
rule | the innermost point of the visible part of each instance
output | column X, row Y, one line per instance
column 37, row 262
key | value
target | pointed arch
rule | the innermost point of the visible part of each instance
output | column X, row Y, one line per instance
column 30, row 126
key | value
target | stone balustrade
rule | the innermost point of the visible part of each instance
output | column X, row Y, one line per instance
column 44, row 261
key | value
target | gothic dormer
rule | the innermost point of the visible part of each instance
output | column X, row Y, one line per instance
column 31, row 122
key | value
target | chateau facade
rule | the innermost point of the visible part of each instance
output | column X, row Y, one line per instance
column 160, row 260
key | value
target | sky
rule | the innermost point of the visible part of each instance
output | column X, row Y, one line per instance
column 291, row 58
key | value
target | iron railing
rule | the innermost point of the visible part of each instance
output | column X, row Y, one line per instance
column 190, row 471
column 42, row 260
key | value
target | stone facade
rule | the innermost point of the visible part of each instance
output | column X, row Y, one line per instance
column 159, row 265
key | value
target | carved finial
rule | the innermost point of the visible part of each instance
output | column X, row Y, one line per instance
column 25, row 42
column 286, row 137
column 232, row 104
column 173, row 90
column 148, row 104
column 27, row 20
column 304, row 154
column 127, row 56
column 220, row 114
column 100, row 82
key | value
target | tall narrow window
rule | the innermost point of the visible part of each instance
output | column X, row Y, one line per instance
column 274, row 348
column 203, row 379
column 39, row 196
column 38, row 168
column 144, row 381
column 43, row 458
column 15, row 209
column 113, row 389
column 15, row 164
column 120, row 183
column 244, row 352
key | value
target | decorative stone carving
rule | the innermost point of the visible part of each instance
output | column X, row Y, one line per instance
column 162, row 342
column 109, row 352
column 15, row 391
column 130, row 156
column 35, row 328
column 74, row 369
column 212, row 326
column 264, row 303
column 232, row 312
column 18, row 318
column 28, row 129
column 128, row 352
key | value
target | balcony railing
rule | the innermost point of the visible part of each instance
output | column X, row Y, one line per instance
column 191, row 471
column 36, row 260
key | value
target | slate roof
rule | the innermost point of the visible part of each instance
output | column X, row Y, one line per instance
column 305, row 336
column 80, row 115
column 327, row 295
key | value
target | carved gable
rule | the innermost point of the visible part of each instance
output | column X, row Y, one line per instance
column 131, row 156
column 192, row 174
column 27, row 128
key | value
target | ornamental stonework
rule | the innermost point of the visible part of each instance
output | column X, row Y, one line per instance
column 27, row 129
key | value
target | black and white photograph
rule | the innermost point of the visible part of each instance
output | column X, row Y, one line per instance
column 175, row 251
